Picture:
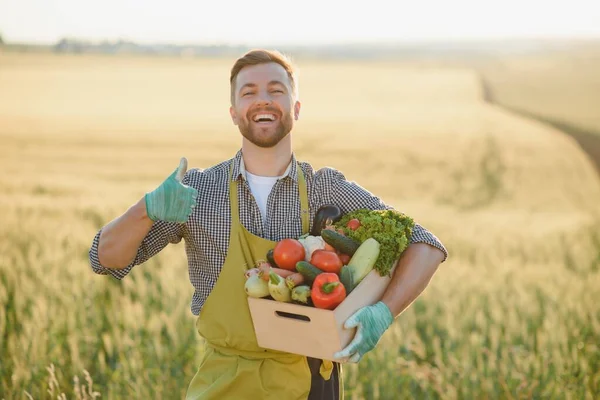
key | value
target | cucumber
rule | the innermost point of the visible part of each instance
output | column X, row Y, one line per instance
column 346, row 279
column 308, row 271
column 340, row 242
column 363, row 260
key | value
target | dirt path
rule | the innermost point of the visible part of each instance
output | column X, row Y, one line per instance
column 588, row 140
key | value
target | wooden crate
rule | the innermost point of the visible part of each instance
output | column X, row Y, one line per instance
column 310, row 331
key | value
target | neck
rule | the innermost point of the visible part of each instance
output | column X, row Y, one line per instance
column 267, row 161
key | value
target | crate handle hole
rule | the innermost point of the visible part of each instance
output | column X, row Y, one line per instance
column 284, row 314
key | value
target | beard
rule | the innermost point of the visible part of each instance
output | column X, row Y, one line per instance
column 267, row 136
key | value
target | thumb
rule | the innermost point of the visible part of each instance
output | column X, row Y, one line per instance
column 181, row 170
column 354, row 320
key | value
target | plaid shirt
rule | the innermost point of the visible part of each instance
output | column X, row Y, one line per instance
column 206, row 232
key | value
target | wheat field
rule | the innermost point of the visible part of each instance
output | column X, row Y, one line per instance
column 562, row 85
column 513, row 314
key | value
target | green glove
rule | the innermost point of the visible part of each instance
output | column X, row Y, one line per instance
column 172, row 201
column 372, row 322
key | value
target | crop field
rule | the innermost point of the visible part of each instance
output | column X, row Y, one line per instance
column 560, row 88
column 514, row 313
column 563, row 85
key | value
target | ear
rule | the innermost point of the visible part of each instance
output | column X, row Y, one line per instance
column 233, row 115
column 297, row 107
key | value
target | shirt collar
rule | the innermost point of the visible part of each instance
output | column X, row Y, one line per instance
column 239, row 170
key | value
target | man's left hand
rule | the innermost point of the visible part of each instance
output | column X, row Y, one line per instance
column 371, row 322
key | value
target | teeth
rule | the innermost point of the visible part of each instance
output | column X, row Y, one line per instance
column 270, row 117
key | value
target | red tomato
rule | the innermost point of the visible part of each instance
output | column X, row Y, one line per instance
column 344, row 258
column 353, row 224
column 287, row 253
column 326, row 261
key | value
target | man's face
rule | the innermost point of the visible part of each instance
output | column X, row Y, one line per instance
column 265, row 107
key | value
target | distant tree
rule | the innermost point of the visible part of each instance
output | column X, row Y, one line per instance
column 1, row 41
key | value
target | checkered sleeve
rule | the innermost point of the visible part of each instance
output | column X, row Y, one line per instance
column 350, row 196
column 160, row 235
column 422, row 235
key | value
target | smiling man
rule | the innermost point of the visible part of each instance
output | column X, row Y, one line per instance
column 239, row 208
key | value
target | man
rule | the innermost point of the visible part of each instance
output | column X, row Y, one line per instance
column 240, row 207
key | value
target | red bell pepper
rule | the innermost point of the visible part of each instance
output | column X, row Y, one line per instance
column 327, row 291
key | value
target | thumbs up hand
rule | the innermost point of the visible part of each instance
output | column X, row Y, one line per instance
column 172, row 201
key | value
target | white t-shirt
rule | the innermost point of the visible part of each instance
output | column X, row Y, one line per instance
column 261, row 186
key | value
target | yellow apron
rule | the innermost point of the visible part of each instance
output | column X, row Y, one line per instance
column 233, row 366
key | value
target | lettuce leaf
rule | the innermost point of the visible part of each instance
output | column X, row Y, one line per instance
column 391, row 228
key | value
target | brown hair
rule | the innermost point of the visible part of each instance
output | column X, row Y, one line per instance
column 256, row 57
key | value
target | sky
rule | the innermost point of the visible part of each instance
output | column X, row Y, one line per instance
column 301, row 22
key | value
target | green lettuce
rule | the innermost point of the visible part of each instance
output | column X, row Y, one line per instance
column 391, row 228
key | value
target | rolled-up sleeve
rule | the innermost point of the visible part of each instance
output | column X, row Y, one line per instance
column 350, row 196
column 422, row 235
column 160, row 235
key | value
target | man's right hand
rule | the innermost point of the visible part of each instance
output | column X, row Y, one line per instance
column 172, row 201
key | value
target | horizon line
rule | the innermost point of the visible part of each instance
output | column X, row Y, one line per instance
column 390, row 41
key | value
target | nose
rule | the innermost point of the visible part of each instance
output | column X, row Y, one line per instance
column 263, row 98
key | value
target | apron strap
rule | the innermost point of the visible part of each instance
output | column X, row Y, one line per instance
column 233, row 199
column 326, row 369
column 303, row 199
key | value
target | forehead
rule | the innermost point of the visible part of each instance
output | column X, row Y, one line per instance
column 262, row 74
